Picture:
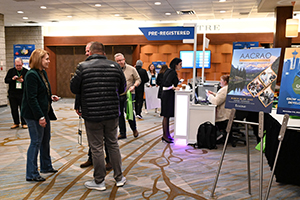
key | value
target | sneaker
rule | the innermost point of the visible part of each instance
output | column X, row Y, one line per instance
column 139, row 116
column 94, row 186
column 121, row 182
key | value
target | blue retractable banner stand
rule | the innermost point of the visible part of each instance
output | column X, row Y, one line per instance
column 289, row 95
column 23, row 51
column 252, row 79
column 168, row 33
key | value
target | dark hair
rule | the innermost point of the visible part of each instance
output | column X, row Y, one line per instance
column 225, row 78
column 97, row 47
column 154, row 71
column 175, row 62
column 163, row 69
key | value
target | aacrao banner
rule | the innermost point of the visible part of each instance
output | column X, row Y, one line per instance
column 289, row 94
column 252, row 79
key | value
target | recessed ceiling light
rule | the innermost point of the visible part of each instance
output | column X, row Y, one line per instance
column 25, row 17
column 69, row 16
column 157, row 3
column 98, row 5
column 20, row 12
column 167, row 13
column 222, row 0
column 43, row 7
column 117, row 15
column 222, row 11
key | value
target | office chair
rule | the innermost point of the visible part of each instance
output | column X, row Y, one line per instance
column 236, row 135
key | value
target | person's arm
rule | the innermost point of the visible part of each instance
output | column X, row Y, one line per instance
column 10, row 77
column 32, row 83
column 219, row 98
column 75, row 82
column 137, row 79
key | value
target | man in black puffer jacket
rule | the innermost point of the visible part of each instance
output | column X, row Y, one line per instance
column 99, row 82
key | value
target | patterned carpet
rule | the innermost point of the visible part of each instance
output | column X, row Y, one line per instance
column 154, row 170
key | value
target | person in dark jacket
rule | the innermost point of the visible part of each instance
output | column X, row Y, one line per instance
column 15, row 79
column 159, row 81
column 99, row 82
column 169, row 84
column 37, row 112
column 139, row 90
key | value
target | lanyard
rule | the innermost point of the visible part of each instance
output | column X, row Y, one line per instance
column 19, row 74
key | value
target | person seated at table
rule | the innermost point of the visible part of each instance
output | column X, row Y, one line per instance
column 218, row 99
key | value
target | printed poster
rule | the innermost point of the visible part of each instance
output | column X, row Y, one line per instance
column 289, row 94
column 23, row 51
column 252, row 79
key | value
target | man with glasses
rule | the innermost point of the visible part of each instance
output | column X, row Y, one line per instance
column 15, row 79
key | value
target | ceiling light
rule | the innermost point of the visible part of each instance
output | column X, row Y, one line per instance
column 20, row 12
column 98, row 5
column 222, row 11
column 157, row 3
column 222, row 0
column 167, row 13
column 117, row 15
column 25, row 17
column 69, row 16
column 43, row 7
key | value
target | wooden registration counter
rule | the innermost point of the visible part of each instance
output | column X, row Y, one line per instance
column 189, row 116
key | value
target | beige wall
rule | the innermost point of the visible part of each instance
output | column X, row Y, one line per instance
column 11, row 36
column 3, row 90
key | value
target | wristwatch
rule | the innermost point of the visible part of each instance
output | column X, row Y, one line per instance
column 42, row 118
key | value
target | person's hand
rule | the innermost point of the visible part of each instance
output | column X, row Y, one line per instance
column 15, row 77
column 20, row 79
column 176, row 88
column 43, row 123
column 132, row 88
column 209, row 92
column 55, row 98
column 78, row 113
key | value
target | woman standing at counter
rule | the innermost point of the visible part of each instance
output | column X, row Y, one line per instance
column 169, row 84
column 37, row 112
column 218, row 99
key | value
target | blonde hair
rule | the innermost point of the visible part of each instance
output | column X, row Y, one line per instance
column 35, row 60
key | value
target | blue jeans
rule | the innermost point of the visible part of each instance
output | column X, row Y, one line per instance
column 39, row 142
column 122, row 124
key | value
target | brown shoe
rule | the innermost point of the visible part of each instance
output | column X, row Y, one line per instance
column 135, row 133
column 108, row 167
column 14, row 126
column 86, row 164
column 25, row 126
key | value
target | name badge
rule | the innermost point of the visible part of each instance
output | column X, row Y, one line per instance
column 18, row 85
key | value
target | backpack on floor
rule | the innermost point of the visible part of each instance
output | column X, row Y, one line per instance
column 207, row 136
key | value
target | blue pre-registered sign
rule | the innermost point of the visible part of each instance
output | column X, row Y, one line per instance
column 168, row 33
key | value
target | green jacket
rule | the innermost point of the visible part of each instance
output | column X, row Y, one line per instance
column 35, row 97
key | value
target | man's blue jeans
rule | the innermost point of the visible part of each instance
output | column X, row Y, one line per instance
column 39, row 142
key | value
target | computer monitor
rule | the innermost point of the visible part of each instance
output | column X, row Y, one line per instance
column 202, row 90
column 187, row 58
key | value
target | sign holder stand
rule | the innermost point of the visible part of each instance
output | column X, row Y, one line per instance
column 260, row 134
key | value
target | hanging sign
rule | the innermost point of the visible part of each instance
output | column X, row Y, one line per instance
column 252, row 79
column 168, row 33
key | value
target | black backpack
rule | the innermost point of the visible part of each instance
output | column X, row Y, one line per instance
column 207, row 136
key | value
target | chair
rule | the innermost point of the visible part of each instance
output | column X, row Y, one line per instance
column 236, row 135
